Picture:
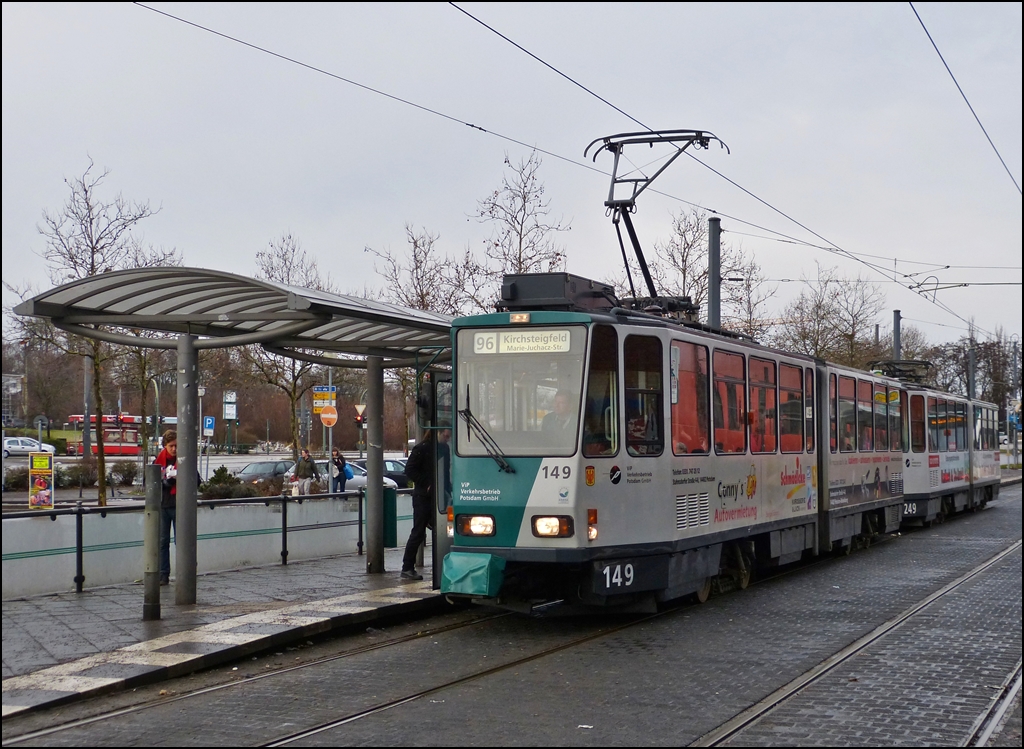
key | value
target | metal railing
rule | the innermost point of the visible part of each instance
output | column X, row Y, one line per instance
column 80, row 510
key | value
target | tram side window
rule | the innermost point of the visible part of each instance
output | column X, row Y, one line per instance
column 865, row 416
column 833, row 424
column 809, row 408
column 977, row 427
column 601, row 417
column 729, row 406
column 895, row 411
column 848, row 414
column 943, row 424
column 763, row 412
column 990, row 429
column 917, row 428
column 689, row 384
column 881, row 418
column 905, row 422
column 933, row 425
column 643, row 369
column 961, row 426
column 791, row 409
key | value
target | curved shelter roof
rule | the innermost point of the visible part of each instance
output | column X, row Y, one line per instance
column 224, row 309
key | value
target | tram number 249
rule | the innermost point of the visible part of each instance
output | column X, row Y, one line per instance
column 909, row 508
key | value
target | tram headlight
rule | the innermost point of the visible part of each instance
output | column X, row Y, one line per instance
column 552, row 526
column 592, row 525
column 475, row 525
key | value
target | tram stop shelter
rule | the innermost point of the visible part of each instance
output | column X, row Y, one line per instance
column 189, row 309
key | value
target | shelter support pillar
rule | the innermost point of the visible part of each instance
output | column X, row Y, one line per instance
column 375, row 464
column 185, row 531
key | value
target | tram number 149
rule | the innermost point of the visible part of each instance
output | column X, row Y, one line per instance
column 630, row 575
column 618, row 575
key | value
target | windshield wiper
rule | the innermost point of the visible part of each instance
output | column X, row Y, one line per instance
column 485, row 438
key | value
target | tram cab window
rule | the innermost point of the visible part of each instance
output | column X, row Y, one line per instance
column 881, row 418
column 865, row 416
column 917, row 427
column 642, row 361
column 513, row 382
column 601, row 408
column 688, row 383
column 809, row 408
column 763, row 416
column 729, row 403
column 791, row 409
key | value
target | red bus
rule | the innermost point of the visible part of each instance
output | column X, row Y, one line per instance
column 121, row 434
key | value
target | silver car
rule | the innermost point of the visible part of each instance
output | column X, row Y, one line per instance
column 25, row 445
column 357, row 481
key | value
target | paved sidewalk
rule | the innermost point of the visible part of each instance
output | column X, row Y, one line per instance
column 57, row 648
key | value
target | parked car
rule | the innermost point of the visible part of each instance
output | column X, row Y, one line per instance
column 393, row 469
column 357, row 481
column 25, row 445
column 265, row 469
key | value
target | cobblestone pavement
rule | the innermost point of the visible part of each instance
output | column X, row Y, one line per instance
column 56, row 646
column 923, row 684
column 664, row 681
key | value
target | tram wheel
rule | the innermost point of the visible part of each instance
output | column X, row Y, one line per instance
column 704, row 593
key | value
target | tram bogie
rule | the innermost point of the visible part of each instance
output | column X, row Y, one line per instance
column 614, row 458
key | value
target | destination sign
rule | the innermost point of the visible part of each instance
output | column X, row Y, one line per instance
column 522, row 342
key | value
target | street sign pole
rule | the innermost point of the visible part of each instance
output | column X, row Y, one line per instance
column 330, row 432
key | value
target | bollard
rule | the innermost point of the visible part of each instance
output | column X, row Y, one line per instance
column 284, row 528
column 151, row 545
column 362, row 496
column 79, row 575
column 390, row 519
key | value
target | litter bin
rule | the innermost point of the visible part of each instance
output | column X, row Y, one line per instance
column 390, row 518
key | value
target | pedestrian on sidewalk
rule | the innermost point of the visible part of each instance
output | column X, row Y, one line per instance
column 306, row 471
column 340, row 471
column 168, row 462
column 422, row 469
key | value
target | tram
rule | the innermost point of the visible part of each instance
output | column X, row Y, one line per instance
column 950, row 455
column 613, row 456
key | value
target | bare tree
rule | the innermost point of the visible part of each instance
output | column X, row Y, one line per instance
column 86, row 237
column 746, row 300
column 522, row 240
column 284, row 261
column 833, row 318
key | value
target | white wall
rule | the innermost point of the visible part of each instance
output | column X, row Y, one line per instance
column 39, row 553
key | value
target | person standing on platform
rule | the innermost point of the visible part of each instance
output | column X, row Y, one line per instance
column 168, row 462
column 306, row 471
column 422, row 469
column 339, row 471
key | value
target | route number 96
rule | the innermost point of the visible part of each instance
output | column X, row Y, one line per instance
column 618, row 575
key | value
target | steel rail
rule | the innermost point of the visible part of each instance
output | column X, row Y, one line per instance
column 754, row 713
column 247, row 680
column 987, row 723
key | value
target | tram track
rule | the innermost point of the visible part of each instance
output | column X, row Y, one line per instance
column 433, row 689
column 732, row 728
column 988, row 722
column 234, row 684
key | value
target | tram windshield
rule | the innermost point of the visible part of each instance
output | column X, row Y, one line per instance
column 523, row 386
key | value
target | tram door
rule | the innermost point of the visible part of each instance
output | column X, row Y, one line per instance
column 435, row 412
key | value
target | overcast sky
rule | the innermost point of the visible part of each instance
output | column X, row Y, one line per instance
column 842, row 116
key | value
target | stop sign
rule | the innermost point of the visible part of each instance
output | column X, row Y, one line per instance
column 329, row 416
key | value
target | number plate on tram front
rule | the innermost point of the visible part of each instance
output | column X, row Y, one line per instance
column 630, row 575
